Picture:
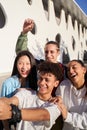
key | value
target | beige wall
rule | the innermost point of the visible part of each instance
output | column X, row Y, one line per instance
column 2, row 78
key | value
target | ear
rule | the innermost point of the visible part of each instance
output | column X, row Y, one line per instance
column 59, row 52
column 56, row 83
column 84, row 70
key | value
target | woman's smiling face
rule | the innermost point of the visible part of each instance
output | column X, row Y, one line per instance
column 24, row 66
column 76, row 72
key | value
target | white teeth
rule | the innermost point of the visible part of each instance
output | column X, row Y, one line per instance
column 43, row 87
column 73, row 75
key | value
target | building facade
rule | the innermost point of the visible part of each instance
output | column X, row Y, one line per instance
column 59, row 20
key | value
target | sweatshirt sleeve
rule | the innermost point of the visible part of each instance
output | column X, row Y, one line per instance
column 54, row 114
column 22, row 42
column 77, row 120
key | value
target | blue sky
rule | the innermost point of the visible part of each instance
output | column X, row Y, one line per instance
column 83, row 5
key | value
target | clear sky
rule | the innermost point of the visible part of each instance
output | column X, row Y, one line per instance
column 83, row 5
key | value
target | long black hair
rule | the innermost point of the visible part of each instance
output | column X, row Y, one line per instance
column 32, row 77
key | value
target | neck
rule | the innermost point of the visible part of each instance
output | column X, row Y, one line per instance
column 44, row 97
column 80, row 84
column 23, row 82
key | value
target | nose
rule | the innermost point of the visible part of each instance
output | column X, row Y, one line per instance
column 23, row 66
column 42, row 82
column 48, row 54
column 70, row 70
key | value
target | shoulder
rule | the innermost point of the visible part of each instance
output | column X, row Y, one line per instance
column 25, row 92
column 25, row 96
column 10, row 81
column 64, row 87
column 12, row 78
column 65, row 82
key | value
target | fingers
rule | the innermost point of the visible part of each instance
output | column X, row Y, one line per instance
column 5, row 111
column 56, row 99
column 29, row 20
column 28, row 25
column 61, row 106
column 63, row 110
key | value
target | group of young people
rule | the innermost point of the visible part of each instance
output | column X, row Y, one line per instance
column 38, row 92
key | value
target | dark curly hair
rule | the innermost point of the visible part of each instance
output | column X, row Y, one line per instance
column 49, row 67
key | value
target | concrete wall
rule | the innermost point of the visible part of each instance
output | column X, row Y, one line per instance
column 73, row 35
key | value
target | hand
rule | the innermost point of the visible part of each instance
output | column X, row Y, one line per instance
column 5, row 110
column 63, row 110
column 28, row 26
column 56, row 99
column 59, row 102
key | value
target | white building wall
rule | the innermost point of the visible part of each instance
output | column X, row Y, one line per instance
column 47, row 27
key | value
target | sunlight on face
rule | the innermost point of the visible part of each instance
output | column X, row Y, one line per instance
column 46, row 83
column 76, row 72
column 51, row 53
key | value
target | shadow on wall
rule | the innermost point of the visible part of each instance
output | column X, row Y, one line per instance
column 85, row 56
column 66, row 58
column 63, row 48
column 2, row 17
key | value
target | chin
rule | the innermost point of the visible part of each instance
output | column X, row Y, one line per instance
column 24, row 76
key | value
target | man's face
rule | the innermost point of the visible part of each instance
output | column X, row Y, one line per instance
column 51, row 53
column 46, row 83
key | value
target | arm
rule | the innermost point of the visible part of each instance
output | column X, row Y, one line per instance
column 35, row 114
column 21, row 43
column 46, row 115
column 27, row 114
column 75, row 119
column 22, row 39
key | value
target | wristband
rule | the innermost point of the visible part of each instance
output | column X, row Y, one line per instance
column 16, row 114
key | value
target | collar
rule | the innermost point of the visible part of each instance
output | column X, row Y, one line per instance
column 79, row 92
